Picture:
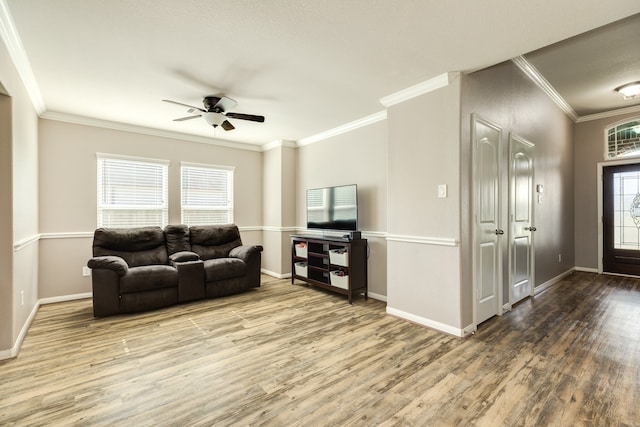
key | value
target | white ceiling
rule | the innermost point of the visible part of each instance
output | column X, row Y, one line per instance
column 306, row 65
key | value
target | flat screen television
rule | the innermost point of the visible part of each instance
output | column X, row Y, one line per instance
column 333, row 208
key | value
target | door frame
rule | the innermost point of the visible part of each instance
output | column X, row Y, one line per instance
column 599, row 167
column 475, row 118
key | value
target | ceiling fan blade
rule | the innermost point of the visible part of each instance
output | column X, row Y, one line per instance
column 182, row 119
column 225, row 104
column 226, row 125
column 185, row 105
column 249, row 117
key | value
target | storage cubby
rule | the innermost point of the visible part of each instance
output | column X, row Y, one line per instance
column 335, row 264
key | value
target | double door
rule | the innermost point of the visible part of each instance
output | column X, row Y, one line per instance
column 491, row 237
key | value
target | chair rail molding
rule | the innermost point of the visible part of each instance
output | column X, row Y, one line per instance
column 422, row 240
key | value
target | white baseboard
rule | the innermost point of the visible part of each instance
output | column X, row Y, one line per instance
column 546, row 285
column 63, row 298
column 274, row 274
column 13, row 351
column 587, row 269
column 451, row 330
column 379, row 297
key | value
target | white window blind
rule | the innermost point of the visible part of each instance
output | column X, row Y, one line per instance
column 207, row 194
column 132, row 192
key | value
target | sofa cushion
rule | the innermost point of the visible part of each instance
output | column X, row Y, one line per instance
column 177, row 237
column 214, row 241
column 137, row 246
column 146, row 278
column 223, row 268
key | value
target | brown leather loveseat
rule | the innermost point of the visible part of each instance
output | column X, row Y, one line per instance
column 138, row 269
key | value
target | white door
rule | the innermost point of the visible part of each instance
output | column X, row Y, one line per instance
column 487, row 262
column 522, row 229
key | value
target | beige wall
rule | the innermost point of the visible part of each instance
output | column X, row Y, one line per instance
column 6, row 227
column 279, row 209
column 424, row 143
column 356, row 157
column 18, row 207
column 590, row 148
column 68, row 192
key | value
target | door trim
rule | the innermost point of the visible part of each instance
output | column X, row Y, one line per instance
column 599, row 167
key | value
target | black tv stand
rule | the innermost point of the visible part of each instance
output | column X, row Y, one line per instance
column 338, row 264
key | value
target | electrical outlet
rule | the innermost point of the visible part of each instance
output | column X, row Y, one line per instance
column 559, row 257
column 22, row 298
column 86, row 271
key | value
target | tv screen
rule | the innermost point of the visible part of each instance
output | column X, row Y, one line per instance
column 333, row 208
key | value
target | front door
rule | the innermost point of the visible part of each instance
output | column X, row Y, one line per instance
column 487, row 232
column 521, row 202
column 621, row 219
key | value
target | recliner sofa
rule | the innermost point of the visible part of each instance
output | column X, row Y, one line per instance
column 145, row 268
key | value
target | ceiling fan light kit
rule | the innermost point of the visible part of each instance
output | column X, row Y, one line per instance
column 629, row 90
column 215, row 112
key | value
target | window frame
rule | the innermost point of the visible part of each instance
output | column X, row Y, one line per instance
column 614, row 127
column 229, row 209
column 101, row 206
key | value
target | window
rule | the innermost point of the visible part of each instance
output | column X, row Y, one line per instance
column 207, row 194
column 132, row 192
column 623, row 139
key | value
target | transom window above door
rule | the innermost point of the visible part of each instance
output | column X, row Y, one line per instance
column 623, row 139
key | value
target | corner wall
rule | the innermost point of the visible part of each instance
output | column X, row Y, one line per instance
column 18, row 208
column 279, row 208
column 424, row 230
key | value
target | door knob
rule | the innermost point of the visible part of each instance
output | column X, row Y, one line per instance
column 499, row 232
column 530, row 228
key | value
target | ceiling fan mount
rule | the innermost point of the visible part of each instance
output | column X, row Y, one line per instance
column 216, row 111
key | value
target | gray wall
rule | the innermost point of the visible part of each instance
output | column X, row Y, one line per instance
column 505, row 96
column 590, row 147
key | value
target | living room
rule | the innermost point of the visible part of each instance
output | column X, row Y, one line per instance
column 420, row 244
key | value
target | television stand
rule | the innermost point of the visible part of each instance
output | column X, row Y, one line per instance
column 333, row 263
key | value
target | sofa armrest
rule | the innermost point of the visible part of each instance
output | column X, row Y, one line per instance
column 109, row 262
column 184, row 256
column 245, row 252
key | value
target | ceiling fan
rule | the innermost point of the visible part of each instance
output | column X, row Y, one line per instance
column 215, row 112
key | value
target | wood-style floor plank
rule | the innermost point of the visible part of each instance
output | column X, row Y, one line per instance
column 289, row 355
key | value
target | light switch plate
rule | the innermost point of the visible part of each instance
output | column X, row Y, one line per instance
column 442, row 191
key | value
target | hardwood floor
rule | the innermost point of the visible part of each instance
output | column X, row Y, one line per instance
column 285, row 355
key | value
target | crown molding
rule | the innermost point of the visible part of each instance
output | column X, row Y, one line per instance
column 612, row 113
column 89, row 121
column 11, row 39
column 532, row 72
column 278, row 143
column 365, row 121
column 427, row 86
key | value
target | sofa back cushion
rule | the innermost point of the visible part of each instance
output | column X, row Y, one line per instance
column 214, row 241
column 137, row 246
column 177, row 237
